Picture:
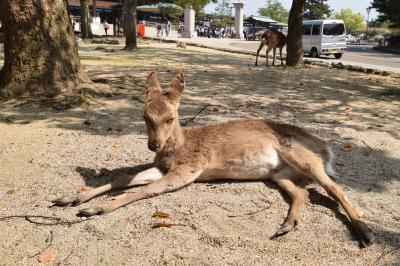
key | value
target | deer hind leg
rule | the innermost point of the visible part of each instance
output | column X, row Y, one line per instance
column 280, row 54
column 141, row 178
column 259, row 49
column 312, row 166
column 285, row 180
column 173, row 180
column 267, row 53
column 273, row 59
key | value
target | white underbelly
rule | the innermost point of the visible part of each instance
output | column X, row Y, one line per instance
column 251, row 166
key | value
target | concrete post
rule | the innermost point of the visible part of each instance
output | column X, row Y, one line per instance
column 239, row 19
column 189, row 16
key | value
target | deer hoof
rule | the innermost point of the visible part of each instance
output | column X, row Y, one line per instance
column 63, row 201
column 92, row 211
column 365, row 234
column 285, row 228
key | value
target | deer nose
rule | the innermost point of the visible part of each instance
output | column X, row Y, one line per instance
column 153, row 146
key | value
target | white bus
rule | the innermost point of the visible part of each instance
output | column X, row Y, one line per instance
column 324, row 37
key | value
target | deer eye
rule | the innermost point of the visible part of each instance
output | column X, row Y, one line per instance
column 169, row 121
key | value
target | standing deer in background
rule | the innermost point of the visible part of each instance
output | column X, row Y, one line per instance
column 235, row 150
column 273, row 39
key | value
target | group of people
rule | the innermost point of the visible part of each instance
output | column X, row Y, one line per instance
column 211, row 32
column 163, row 27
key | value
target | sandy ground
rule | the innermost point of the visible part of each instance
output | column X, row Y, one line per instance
column 46, row 153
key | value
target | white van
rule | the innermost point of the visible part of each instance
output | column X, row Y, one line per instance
column 324, row 37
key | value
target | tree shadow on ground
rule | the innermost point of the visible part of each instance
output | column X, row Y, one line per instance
column 324, row 101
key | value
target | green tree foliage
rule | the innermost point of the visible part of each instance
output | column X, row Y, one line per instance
column 197, row 5
column 389, row 10
column 223, row 8
column 275, row 10
column 317, row 9
column 353, row 21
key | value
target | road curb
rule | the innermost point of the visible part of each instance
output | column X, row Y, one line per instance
column 305, row 61
column 386, row 50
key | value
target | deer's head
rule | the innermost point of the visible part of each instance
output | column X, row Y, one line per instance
column 161, row 109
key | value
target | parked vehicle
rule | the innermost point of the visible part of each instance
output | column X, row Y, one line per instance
column 324, row 37
column 350, row 38
column 258, row 33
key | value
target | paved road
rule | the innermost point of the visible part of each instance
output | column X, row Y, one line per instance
column 357, row 55
column 361, row 55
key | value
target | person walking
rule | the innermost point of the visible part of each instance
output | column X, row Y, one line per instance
column 167, row 28
column 106, row 26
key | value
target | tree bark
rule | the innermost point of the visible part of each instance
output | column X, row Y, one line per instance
column 86, row 30
column 130, row 30
column 294, row 46
column 41, row 56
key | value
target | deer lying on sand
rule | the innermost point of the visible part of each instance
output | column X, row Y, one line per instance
column 235, row 150
column 273, row 39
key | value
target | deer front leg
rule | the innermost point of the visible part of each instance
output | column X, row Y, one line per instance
column 259, row 49
column 141, row 178
column 173, row 180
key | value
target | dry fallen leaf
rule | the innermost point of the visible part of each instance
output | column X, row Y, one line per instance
column 215, row 110
column 11, row 192
column 119, row 196
column 161, row 224
column 349, row 116
column 347, row 148
column 82, row 189
column 118, row 145
column 47, row 256
column 160, row 214
column 120, row 129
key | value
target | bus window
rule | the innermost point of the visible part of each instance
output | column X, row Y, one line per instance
column 306, row 29
column 333, row 29
column 316, row 29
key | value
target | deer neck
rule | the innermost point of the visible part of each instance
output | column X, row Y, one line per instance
column 176, row 140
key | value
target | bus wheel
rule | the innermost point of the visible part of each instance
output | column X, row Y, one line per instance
column 338, row 56
column 314, row 53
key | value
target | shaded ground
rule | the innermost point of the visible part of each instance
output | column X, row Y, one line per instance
column 48, row 153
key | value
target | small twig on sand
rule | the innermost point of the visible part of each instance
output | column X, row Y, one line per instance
column 137, row 99
column 61, row 262
column 8, row 119
column 50, row 242
column 194, row 117
column 23, row 103
column 384, row 254
column 369, row 147
column 250, row 213
column 51, row 220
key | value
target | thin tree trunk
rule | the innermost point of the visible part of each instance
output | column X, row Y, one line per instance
column 294, row 46
column 130, row 24
column 86, row 30
column 41, row 56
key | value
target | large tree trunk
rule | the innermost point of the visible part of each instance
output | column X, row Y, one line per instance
column 86, row 30
column 41, row 56
column 130, row 24
column 294, row 46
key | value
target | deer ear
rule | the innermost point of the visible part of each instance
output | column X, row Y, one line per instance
column 176, row 87
column 152, row 85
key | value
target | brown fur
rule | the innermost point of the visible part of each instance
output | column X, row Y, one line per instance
column 273, row 39
column 237, row 150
